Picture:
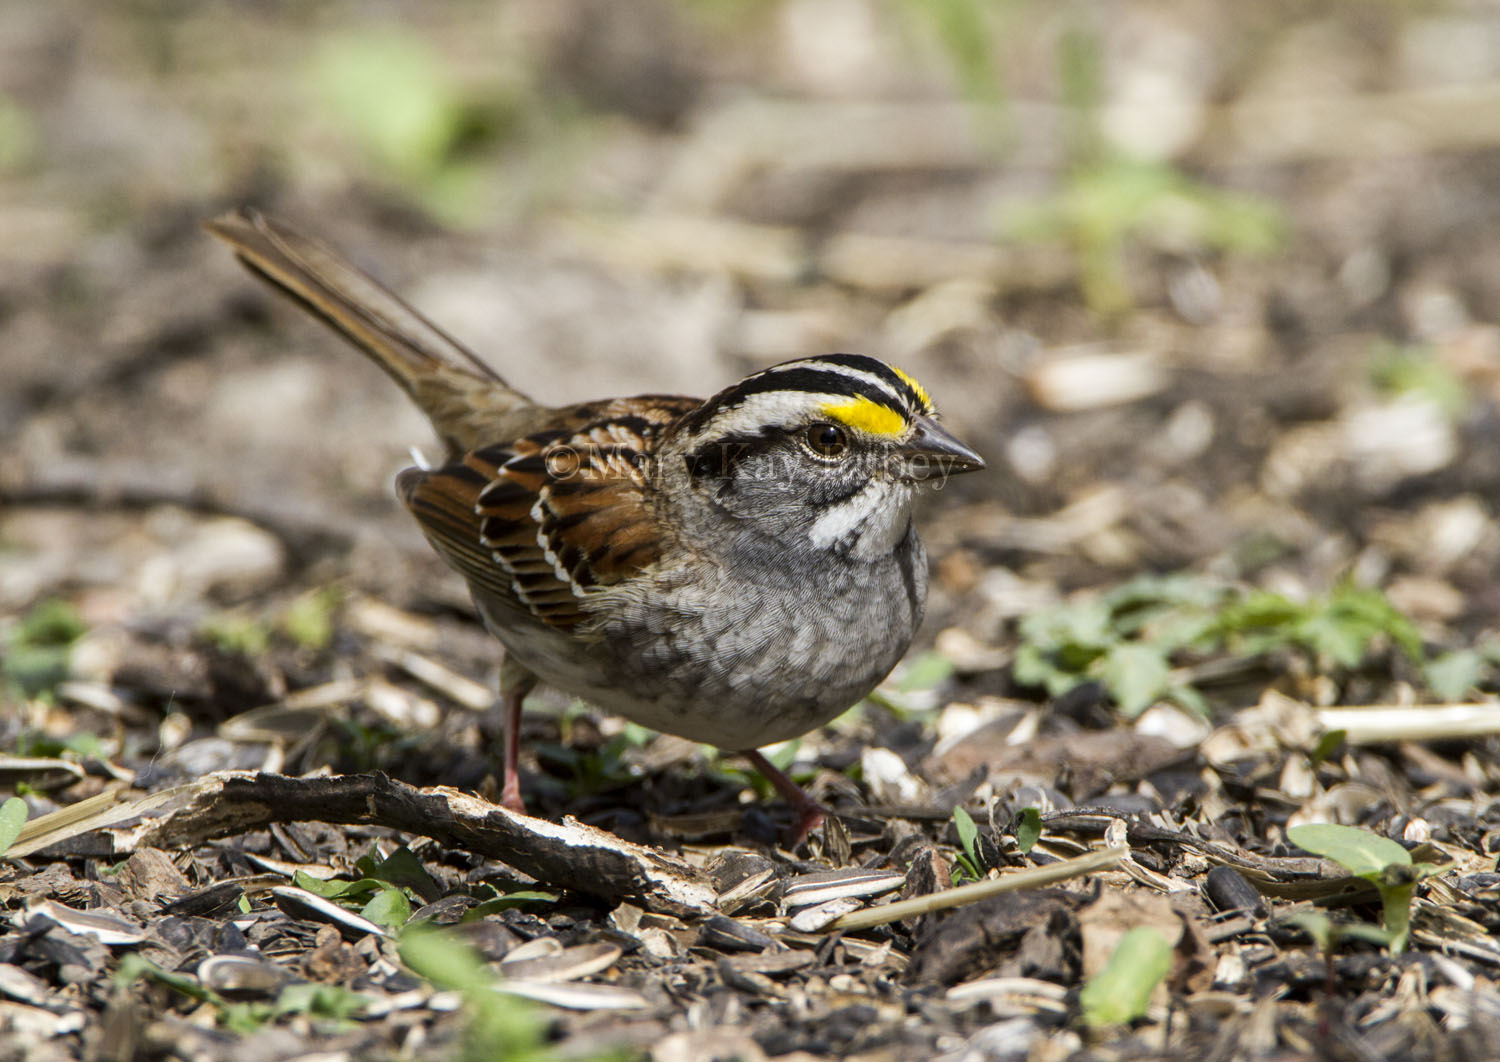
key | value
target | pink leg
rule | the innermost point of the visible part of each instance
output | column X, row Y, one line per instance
column 515, row 684
column 810, row 814
column 510, row 788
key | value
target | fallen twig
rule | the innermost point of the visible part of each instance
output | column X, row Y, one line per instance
column 567, row 854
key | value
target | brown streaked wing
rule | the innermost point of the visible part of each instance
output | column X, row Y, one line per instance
column 442, row 500
column 545, row 519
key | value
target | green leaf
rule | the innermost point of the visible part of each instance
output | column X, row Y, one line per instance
column 308, row 621
column 134, row 967
column 321, row 1001
column 328, row 888
column 1031, row 666
column 237, row 633
column 1136, row 675
column 1120, row 992
column 35, row 669
column 1259, row 609
column 403, row 868
column 1362, row 853
column 1370, row 607
column 388, row 907
column 961, row 28
column 1316, row 925
column 391, row 90
column 1083, row 625
column 1368, row 933
column 444, row 959
column 243, row 1019
column 968, row 834
column 1186, row 696
column 1335, row 637
column 18, row 135
column 1452, row 675
column 507, row 901
column 1328, row 743
column 1028, row 829
column 50, row 622
column 925, row 672
column 12, row 818
column 1378, row 860
column 1327, row 934
column 500, row 1026
column 1414, row 370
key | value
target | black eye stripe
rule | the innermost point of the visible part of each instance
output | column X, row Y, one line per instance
column 716, row 458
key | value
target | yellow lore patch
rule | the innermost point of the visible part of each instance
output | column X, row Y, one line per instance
column 867, row 415
column 921, row 391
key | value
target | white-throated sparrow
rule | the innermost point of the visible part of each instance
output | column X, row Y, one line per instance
column 736, row 571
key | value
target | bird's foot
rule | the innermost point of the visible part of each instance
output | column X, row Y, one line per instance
column 809, row 813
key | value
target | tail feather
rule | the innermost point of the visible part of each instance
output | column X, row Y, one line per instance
column 467, row 402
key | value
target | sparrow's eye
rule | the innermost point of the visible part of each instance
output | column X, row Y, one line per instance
column 827, row 440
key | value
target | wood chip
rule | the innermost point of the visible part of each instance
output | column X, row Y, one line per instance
column 566, row 964
column 299, row 903
column 817, row 888
column 583, row 997
column 103, row 926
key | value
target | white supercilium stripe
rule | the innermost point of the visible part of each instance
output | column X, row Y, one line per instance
column 866, row 379
column 769, row 409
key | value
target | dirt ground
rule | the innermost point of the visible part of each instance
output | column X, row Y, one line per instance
column 1215, row 291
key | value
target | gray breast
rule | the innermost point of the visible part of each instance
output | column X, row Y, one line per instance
column 716, row 657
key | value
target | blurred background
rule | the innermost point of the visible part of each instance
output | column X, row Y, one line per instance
column 1212, row 285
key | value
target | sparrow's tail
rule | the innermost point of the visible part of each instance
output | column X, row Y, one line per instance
column 467, row 402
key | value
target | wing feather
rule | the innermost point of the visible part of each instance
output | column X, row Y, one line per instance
column 548, row 519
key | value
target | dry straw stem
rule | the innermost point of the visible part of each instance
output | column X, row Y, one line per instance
column 1379, row 724
column 1034, row 878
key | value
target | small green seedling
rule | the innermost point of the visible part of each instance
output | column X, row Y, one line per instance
column 1131, row 639
column 1119, row 993
column 329, row 1002
column 384, row 890
column 34, row 653
column 308, row 620
column 500, row 1026
column 1378, row 860
column 237, row 633
column 379, row 901
column 968, row 840
column 1328, row 744
column 401, row 868
column 1417, row 370
column 504, row 901
column 1028, row 829
column 925, row 672
column 1327, row 934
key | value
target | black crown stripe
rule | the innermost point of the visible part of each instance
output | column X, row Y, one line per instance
column 802, row 379
column 876, row 367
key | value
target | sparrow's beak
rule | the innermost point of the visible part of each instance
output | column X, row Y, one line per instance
column 934, row 453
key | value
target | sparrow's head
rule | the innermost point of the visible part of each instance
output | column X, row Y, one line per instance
column 822, row 452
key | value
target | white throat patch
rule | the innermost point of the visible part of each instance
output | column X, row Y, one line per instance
column 879, row 513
